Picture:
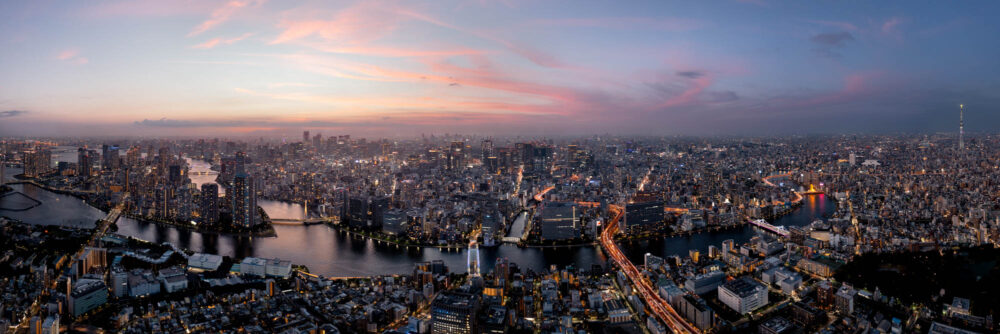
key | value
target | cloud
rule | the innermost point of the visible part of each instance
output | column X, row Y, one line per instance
column 220, row 41
column 665, row 24
column 12, row 113
column 723, row 96
column 828, row 42
column 838, row 24
column 837, row 39
column 72, row 56
column 219, row 15
column 691, row 74
column 890, row 25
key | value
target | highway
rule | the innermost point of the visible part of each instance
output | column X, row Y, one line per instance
column 660, row 307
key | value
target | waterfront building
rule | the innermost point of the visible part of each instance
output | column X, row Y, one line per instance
column 83, row 163
column 394, row 222
column 645, row 212
column 558, row 221
column 244, row 201
column 209, row 203
column 204, row 262
column 743, row 295
column 37, row 162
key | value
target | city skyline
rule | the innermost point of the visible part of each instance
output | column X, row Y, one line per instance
column 379, row 68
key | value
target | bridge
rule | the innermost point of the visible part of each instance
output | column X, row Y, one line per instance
column 301, row 221
column 211, row 172
column 99, row 231
column 779, row 230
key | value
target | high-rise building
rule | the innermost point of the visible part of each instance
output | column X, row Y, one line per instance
column 317, row 140
column 961, row 126
column 83, row 163
column 244, row 201
column 454, row 313
column 488, row 149
column 37, row 162
column 109, row 157
column 645, row 212
column 456, row 156
column 305, row 137
column 210, row 203
column 174, row 174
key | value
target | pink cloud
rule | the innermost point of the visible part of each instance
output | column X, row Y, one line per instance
column 689, row 95
column 72, row 56
column 220, row 41
column 219, row 16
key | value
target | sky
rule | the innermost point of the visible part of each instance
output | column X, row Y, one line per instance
column 512, row 67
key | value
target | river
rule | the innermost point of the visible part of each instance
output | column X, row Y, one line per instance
column 330, row 252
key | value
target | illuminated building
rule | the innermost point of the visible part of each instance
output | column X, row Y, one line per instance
column 244, row 201
column 454, row 313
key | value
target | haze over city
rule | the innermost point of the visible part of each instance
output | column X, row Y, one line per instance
column 272, row 68
column 499, row 167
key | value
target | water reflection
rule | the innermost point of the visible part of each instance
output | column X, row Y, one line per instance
column 328, row 251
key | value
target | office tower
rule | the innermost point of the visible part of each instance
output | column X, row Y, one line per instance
column 645, row 212
column 487, row 149
column 37, row 162
column 305, row 137
column 852, row 159
column 240, row 162
column 210, row 203
column 83, row 163
column 244, row 201
column 317, row 140
column 109, row 157
column 454, row 313
column 455, row 155
column 174, row 174
column 961, row 126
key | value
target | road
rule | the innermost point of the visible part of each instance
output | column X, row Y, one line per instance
column 660, row 307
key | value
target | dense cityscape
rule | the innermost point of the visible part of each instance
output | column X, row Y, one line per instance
column 861, row 216
column 499, row 166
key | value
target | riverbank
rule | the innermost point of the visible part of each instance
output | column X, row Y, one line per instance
column 265, row 232
column 384, row 238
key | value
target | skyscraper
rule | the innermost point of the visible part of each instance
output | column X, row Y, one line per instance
column 37, row 162
column 109, row 157
column 244, row 201
column 305, row 137
column 83, row 163
column 488, row 149
column 210, row 203
column 961, row 126
column 455, row 155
